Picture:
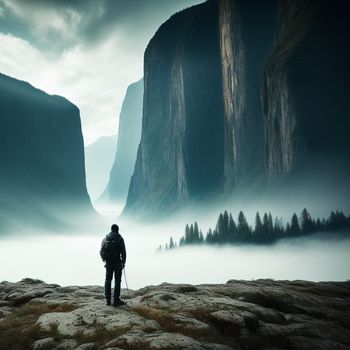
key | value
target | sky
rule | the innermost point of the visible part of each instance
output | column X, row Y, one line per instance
column 88, row 51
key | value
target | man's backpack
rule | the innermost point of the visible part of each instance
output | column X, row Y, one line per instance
column 111, row 249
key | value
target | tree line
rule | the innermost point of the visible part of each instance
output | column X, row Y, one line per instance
column 266, row 229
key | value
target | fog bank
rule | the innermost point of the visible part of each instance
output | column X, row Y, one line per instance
column 74, row 260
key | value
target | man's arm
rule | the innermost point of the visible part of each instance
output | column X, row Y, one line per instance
column 123, row 252
column 102, row 249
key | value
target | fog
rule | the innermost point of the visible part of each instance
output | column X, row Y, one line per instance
column 73, row 258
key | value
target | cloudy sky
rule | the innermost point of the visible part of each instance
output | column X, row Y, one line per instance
column 88, row 51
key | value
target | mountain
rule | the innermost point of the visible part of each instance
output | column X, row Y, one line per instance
column 98, row 162
column 129, row 135
column 42, row 176
column 241, row 96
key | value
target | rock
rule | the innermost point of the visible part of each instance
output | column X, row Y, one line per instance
column 228, row 317
column 44, row 344
column 68, row 344
column 87, row 346
column 236, row 315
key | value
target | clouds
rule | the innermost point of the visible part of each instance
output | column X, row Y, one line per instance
column 88, row 51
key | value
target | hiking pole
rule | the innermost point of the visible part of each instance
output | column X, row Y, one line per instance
column 126, row 283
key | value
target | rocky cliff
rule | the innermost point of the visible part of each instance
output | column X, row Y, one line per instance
column 306, row 85
column 42, row 158
column 129, row 135
column 261, row 314
column 240, row 93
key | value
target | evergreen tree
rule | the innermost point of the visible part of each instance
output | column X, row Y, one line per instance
column 258, row 230
column 225, row 234
column 232, row 229
column 265, row 229
column 201, row 238
column 294, row 226
column 278, row 228
column 306, row 222
column 220, row 229
column 209, row 237
column 216, row 237
column 182, row 242
column 243, row 228
column 287, row 232
column 187, row 234
column 171, row 243
column 318, row 225
column 195, row 233
column 191, row 234
column 270, row 235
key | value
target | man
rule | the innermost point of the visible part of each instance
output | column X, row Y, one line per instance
column 113, row 253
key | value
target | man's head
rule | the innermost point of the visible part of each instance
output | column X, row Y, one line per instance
column 115, row 228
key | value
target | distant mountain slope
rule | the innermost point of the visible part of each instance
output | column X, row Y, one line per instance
column 99, row 158
column 129, row 135
column 42, row 174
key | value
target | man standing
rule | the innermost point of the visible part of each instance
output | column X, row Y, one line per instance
column 113, row 253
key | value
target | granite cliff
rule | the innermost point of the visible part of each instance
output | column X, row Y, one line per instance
column 240, row 315
column 239, row 95
column 42, row 158
column 129, row 135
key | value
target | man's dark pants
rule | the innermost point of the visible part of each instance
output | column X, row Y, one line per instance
column 111, row 269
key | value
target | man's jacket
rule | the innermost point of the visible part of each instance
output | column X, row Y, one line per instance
column 113, row 249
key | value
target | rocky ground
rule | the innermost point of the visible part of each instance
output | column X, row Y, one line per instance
column 262, row 314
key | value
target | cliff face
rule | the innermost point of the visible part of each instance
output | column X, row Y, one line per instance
column 182, row 126
column 238, row 93
column 129, row 135
column 41, row 156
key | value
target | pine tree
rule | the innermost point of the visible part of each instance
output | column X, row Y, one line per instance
column 306, row 222
column 270, row 231
column 220, row 229
column 171, row 243
column 191, row 234
column 258, row 230
column 182, row 241
column 225, row 234
column 265, row 229
column 201, row 238
column 278, row 228
column 232, row 229
column 287, row 232
column 294, row 226
column 209, row 237
column 195, row 233
column 187, row 234
column 243, row 228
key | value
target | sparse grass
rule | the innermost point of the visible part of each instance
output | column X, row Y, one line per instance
column 18, row 330
column 170, row 325
column 201, row 313
column 100, row 335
